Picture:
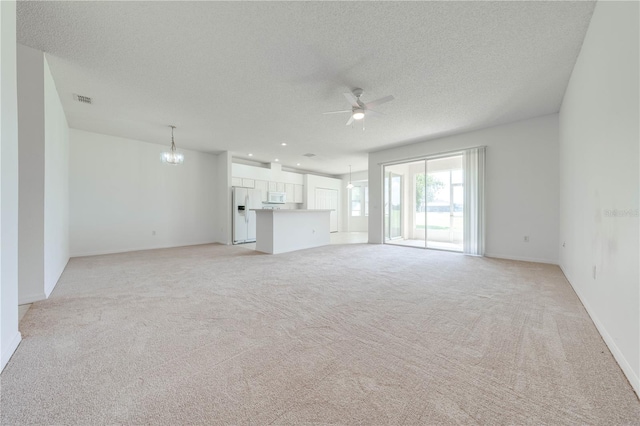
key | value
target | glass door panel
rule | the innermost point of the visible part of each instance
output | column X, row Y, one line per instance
column 404, row 204
column 386, row 206
column 395, row 206
column 445, row 198
column 457, row 183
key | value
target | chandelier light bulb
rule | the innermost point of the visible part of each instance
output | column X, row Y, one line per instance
column 172, row 157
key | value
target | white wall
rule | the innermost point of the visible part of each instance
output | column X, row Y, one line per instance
column 31, row 123
column 121, row 193
column 521, row 181
column 223, row 196
column 56, row 184
column 43, row 179
column 599, row 140
column 9, row 334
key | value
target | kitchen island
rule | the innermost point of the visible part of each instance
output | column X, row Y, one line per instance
column 281, row 231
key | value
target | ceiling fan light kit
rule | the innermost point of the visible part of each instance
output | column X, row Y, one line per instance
column 359, row 110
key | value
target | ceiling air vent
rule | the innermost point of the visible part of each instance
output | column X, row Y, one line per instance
column 83, row 99
column 309, row 155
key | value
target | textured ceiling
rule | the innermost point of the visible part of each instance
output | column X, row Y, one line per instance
column 247, row 76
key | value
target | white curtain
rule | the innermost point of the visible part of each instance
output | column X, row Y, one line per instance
column 473, row 163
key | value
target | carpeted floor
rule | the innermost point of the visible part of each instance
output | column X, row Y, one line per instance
column 346, row 334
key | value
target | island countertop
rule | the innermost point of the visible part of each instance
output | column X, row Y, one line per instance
column 291, row 210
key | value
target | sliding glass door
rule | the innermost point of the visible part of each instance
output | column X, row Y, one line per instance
column 424, row 203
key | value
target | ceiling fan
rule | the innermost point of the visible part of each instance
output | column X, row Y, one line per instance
column 358, row 108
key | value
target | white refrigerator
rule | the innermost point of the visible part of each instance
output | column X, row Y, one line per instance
column 244, row 220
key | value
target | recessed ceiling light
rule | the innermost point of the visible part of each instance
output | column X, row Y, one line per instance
column 250, row 155
column 283, row 144
column 276, row 160
column 298, row 164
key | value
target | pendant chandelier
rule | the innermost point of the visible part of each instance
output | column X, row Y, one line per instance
column 350, row 184
column 172, row 157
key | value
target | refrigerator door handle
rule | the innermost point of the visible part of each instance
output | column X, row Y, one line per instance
column 246, row 213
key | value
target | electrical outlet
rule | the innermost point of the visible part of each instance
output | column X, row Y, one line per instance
column 563, row 243
column 526, row 238
column 594, row 272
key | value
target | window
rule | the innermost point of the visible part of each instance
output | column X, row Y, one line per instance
column 359, row 201
column 366, row 201
column 356, row 203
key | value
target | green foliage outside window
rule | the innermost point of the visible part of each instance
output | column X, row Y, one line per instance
column 432, row 186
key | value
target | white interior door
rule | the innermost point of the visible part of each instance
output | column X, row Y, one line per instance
column 328, row 199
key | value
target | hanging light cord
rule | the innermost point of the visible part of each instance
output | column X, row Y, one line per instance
column 173, row 144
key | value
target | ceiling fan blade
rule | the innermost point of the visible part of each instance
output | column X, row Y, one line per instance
column 337, row 112
column 350, row 120
column 379, row 101
column 352, row 99
column 373, row 113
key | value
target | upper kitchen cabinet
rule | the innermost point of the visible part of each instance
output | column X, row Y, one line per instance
column 297, row 193
column 263, row 186
column 289, row 190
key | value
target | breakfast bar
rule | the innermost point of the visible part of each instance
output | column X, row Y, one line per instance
column 281, row 231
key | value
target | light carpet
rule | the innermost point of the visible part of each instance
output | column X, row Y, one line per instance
column 343, row 334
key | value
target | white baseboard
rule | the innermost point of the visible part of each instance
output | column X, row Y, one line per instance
column 608, row 340
column 523, row 259
column 49, row 287
column 127, row 250
column 9, row 350
column 31, row 298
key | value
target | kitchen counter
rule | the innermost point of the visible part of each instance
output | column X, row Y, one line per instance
column 285, row 230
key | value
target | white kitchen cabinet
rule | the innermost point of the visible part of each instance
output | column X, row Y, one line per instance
column 263, row 186
column 289, row 190
column 297, row 194
column 248, row 183
column 280, row 186
column 273, row 186
column 236, row 181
